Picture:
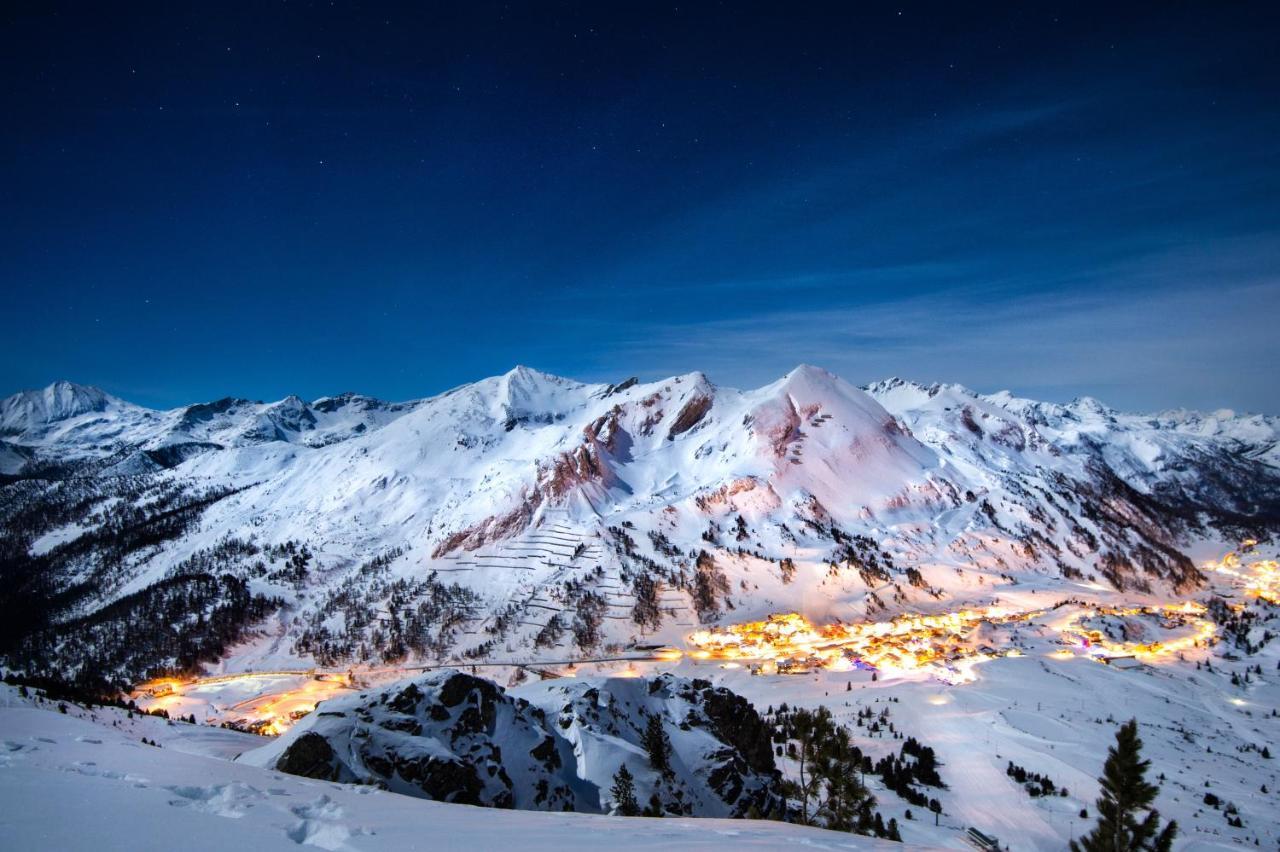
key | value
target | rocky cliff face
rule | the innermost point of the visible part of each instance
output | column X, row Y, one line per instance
column 446, row 736
column 452, row 737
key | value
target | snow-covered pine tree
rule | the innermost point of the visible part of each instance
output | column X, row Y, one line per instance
column 657, row 744
column 1125, row 794
column 624, row 793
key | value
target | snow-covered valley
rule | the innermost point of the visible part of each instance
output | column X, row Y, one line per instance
column 1002, row 580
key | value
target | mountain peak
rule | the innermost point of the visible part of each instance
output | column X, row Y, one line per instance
column 807, row 379
column 1091, row 405
column 808, row 371
column 63, row 389
column 523, row 394
column 522, row 373
column 522, row 381
column 58, row 401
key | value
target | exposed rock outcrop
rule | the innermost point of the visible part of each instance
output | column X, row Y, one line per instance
column 690, row 415
column 452, row 737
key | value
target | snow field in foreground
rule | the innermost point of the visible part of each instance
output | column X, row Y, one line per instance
column 71, row 784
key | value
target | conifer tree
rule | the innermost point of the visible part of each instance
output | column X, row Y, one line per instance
column 624, row 793
column 828, row 786
column 1125, row 794
column 657, row 744
column 843, row 803
column 803, row 729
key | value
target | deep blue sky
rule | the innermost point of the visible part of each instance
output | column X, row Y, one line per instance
column 272, row 198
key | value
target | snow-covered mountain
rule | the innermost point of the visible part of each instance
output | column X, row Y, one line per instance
column 67, row 423
column 535, row 514
column 31, row 413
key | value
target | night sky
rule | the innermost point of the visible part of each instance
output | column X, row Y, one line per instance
column 269, row 198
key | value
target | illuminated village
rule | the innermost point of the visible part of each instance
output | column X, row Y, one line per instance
column 1260, row 578
column 946, row 647
column 940, row 644
column 264, row 703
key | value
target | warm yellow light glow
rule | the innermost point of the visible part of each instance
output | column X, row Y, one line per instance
column 161, row 687
column 1174, row 616
column 942, row 645
column 1260, row 578
column 938, row 644
column 270, row 714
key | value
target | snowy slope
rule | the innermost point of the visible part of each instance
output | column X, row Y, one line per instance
column 72, row 784
column 1057, row 716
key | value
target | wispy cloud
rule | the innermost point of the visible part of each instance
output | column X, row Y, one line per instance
column 1142, row 348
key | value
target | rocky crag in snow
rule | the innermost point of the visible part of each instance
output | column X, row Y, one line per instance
column 452, row 737
column 531, row 516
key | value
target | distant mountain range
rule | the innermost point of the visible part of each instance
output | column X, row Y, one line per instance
column 533, row 515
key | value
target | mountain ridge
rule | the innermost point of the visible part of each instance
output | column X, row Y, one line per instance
column 874, row 388
column 530, row 512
